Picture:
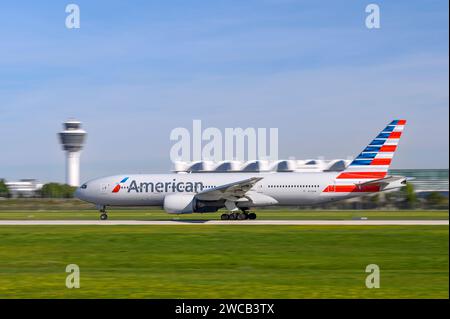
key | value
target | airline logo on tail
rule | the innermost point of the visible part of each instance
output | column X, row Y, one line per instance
column 374, row 160
column 372, row 163
column 381, row 150
column 119, row 185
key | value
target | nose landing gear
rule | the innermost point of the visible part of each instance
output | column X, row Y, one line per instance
column 103, row 214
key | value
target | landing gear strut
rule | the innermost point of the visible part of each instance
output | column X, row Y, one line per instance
column 103, row 214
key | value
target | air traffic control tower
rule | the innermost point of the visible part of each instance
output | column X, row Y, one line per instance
column 72, row 139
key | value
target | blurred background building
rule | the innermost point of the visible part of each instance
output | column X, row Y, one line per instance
column 24, row 188
column 426, row 180
column 290, row 165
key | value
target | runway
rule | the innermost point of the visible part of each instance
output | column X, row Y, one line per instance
column 224, row 222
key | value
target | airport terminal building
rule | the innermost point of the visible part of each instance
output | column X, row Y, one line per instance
column 426, row 180
column 24, row 188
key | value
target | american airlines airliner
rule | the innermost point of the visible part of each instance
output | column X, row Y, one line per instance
column 239, row 192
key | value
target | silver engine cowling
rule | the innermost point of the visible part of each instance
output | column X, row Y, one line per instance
column 179, row 204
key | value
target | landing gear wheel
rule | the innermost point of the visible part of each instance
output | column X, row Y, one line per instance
column 252, row 216
column 103, row 216
column 224, row 217
column 242, row 216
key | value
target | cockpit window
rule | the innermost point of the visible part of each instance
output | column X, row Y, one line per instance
column 84, row 186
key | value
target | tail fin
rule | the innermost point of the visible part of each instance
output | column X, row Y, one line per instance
column 375, row 159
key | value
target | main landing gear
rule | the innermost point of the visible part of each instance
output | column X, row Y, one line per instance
column 238, row 216
column 103, row 214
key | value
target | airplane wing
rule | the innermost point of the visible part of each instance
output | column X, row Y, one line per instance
column 232, row 191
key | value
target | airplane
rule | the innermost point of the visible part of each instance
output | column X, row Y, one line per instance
column 239, row 192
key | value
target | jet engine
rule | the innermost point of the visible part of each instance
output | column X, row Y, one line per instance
column 188, row 204
column 179, row 204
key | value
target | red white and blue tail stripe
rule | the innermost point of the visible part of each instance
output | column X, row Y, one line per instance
column 375, row 159
column 372, row 163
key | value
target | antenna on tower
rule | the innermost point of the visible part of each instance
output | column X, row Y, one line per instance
column 72, row 139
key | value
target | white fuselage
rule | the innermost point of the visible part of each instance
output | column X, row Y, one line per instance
column 287, row 188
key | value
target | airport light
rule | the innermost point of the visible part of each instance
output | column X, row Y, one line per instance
column 72, row 139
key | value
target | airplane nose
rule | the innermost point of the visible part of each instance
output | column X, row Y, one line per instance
column 80, row 192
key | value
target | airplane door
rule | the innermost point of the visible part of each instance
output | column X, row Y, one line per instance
column 259, row 188
column 104, row 188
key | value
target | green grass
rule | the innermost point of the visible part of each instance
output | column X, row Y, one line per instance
column 44, row 203
column 224, row 262
column 262, row 214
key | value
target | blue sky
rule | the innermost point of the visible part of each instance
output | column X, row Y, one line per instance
column 137, row 69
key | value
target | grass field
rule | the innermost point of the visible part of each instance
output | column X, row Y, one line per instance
column 262, row 214
column 224, row 262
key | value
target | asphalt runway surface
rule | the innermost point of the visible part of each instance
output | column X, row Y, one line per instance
column 225, row 222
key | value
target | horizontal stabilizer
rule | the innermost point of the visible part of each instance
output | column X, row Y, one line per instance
column 384, row 181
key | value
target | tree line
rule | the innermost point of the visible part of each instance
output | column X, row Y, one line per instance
column 4, row 191
column 50, row 190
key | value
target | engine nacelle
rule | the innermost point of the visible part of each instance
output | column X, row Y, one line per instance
column 179, row 204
